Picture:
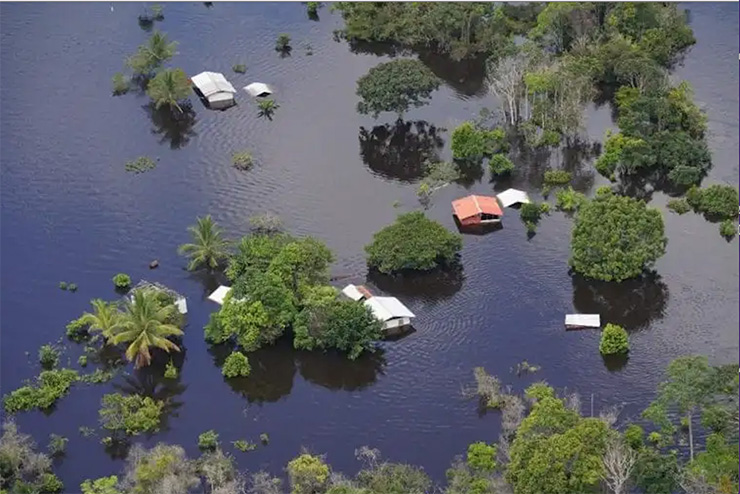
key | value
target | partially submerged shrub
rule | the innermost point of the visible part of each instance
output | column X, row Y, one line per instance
column 122, row 281
column 103, row 485
column 267, row 107
column 679, row 206
column 569, row 200
column 82, row 361
column 242, row 160
column 208, row 441
column 557, row 177
column 530, row 214
column 313, row 8
column 57, row 444
column 614, row 340
column 243, row 445
column 50, row 386
column 63, row 285
column 488, row 388
column 499, row 165
column 130, row 414
column 239, row 68
column 266, row 224
column 77, row 330
column 170, row 371
column 718, row 200
column 236, row 365
column 264, row 438
column 72, row 287
column 307, row 474
column 140, row 165
column 283, row 42
column 121, row 84
column 48, row 356
column 728, row 228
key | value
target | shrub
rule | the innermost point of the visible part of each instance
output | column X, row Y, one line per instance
column 236, row 365
column 170, row 371
column 655, row 437
column 634, row 436
column 471, row 143
column 395, row 87
column 307, row 474
column 242, row 160
column 569, row 200
column 103, row 485
column 98, row 376
column 728, row 228
column 614, row 340
column 718, row 200
column 130, row 414
column 482, row 457
column 243, row 445
column 264, row 438
column 283, row 42
column 120, row 84
column 267, row 107
column 82, row 361
column 239, row 68
column 530, row 214
column 313, row 8
column 413, row 242
column 72, row 287
column 122, row 281
column 48, row 356
column 615, row 237
column 57, row 444
column 77, row 330
column 499, row 164
column 51, row 385
column 208, row 440
column 86, row 431
column 63, row 285
column 49, row 483
column 679, row 206
column 140, row 165
column 557, row 177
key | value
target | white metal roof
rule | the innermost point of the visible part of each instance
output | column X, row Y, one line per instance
column 258, row 89
column 583, row 320
column 386, row 308
column 220, row 294
column 512, row 196
column 182, row 305
column 352, row 292
column 210, row 83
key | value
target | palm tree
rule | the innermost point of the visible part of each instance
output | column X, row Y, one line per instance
column 169, row 87
column 144, row 325
column 151, row 55
column 267, row 108
column 209, row 247
column 105, row 318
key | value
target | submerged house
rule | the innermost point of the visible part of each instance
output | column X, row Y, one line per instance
column 219, row 294
column 581, row 321
column 179, row 301
column 215, row 89
column 513, row 197
column 394, row 315
column 258, row 89
column 477, row 210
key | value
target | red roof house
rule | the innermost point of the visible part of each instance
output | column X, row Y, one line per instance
column 477, row 210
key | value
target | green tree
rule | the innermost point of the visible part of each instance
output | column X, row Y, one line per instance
column 50, row 386
column 146, row 323
column 152, row 55
column 122, row 281
column 471, row 143
column 722, row 201
column 163, row 468
column 102, row 485
column 168, row 88
column 569, row 200
column 394, row 478
column 105, row 318
column 236, row 365
column 133, row 414
column 308, row 474
column 208, row 441
column 413, row 242
column 616, row 238
column 614, row 340
column 634, row 435
column 209, row 247
column 656, row 473
column 717, row 466
column 395, row 86
column 482, row 457
column 267, row 108
column 499, row 165
column 328, row 322
column 283, row 42
column 48, row 356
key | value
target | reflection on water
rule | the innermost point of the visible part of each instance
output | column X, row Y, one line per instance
column 615, row 363
column 335, row 371
column 400, row 150
column 173, row 127
column 632, row 304
column 437, row 285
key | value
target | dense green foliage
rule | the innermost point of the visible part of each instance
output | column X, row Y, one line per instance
column 103, row 485
column 209, row 247
column 57, row 444
column 436, row 176
column 395, row 87
column 151, row 55
column 569, row 200
column 412, row 242
column 307, row 474
column 170, row 370
column 267, row 108
column 329, row 322
column 500, row 164
column 169, row 88
column 728, row 228
column 282, row 43
column 721, row 201
column 140, row 165
column 557, row 177
column 50, row 386
column 678, row 206
column 236, row 365
column 470, row 142
column 208, row 440
column 130, row 414
column 122, row 281
column 120, row 84
column 531, row 212
column 614, row 340
column 22, row 469
column 616, row 238
column 48, row 356
column 242, row 160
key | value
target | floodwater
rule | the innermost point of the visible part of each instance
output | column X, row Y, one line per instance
column 71, row 213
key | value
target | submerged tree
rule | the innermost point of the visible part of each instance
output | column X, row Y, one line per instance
column 147, row 323
column 168, row 88
column 209, row 247
column 105, row 318
column 152, row 55
column 395, row 86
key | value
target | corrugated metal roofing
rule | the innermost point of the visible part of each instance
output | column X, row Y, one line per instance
column 386, row 308
column 352, row 292
column 583, row 320
column 219, row 295
column 210, row 83
column 474, row 205
column 258, row 89
column 512, row 196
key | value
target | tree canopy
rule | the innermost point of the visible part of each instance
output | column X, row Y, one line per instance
column 412, row 242
column 616, row 237
column 395, row 86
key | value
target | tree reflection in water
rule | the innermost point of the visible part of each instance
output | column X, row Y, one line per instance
column 632, row 304
column 173, row 127
column 615, row 363
column 335, row 371
column 399, row 151
column 440, row 284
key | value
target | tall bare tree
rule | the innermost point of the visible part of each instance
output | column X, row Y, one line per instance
column 506, row 82
column 618, row 461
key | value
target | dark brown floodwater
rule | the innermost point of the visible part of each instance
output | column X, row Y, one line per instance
column 70, row 212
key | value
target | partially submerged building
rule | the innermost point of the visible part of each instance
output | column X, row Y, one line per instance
column 389, row 310
column 258, row 89
column 214, row 89
column 179, row 301
column 513, row 197
column 477, row 210
column 582, row 321
column 219, row 294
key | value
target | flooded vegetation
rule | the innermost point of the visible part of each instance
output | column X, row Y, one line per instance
column 382, row 115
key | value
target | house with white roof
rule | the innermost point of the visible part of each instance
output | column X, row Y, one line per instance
column 393, row 314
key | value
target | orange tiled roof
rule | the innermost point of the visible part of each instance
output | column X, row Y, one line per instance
column 475, row 205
